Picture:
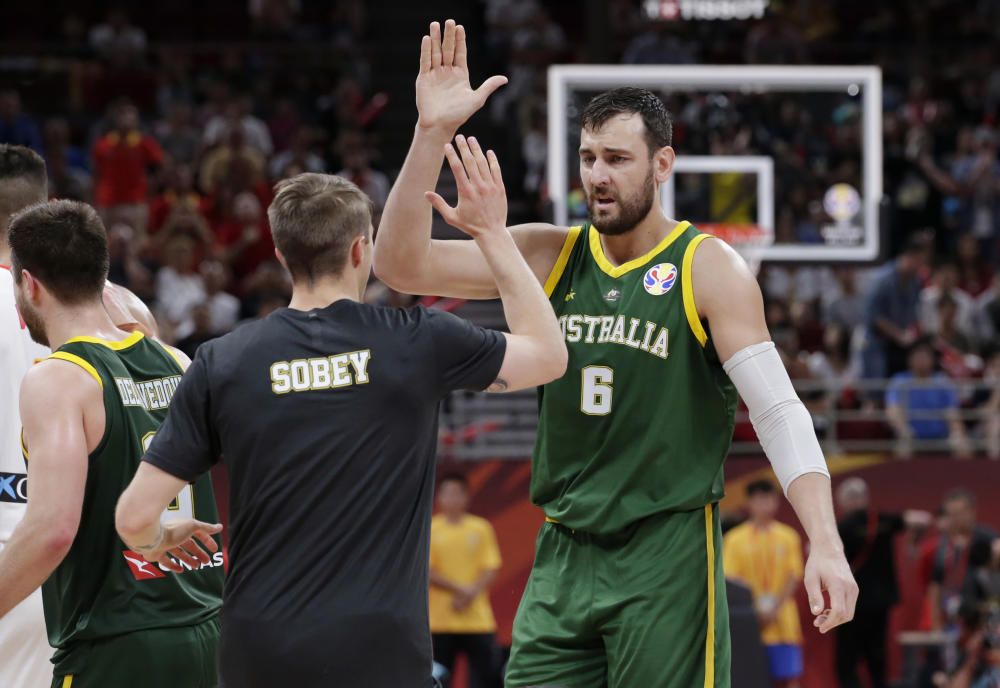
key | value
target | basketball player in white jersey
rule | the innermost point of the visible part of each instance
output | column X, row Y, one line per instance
column 24, row 645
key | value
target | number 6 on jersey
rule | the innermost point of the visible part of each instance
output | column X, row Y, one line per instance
column 183, row 504
column 596, row 390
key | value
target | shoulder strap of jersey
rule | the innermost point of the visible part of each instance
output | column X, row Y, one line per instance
column 572, row 237
column 170, row 353
column 687, row 288
column 95, row 355
column 76, row 351
column 79, row 361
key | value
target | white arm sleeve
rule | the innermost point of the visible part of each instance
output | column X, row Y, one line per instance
column 782, row 422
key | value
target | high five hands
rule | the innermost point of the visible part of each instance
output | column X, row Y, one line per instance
column 445, row 97
column 482, row 201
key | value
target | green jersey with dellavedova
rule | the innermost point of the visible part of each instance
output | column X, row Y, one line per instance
column 102, row 589
column 643, row 418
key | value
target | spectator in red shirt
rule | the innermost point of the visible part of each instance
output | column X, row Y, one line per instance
column 122, row 161
column 180, row 190
column 244, row 237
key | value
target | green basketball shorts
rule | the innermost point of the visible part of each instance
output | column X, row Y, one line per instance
column 157, row 658
column 642, row 608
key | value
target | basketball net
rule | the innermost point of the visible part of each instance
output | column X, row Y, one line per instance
column 749, row 240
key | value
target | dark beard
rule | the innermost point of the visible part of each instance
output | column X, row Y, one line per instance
column 630, row 212
column 36, row 327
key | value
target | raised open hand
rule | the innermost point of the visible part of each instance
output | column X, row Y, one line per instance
column 445, row 98
column 482, row 200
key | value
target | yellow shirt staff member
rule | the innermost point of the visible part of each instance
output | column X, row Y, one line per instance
column 464, row 562
column 767, row 556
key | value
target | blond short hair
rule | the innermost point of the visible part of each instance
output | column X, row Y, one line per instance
column 314, row 218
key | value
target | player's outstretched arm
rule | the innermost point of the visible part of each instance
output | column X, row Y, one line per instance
column 182, row 445
column 536, row 352
column 137, row 519
column 54, row 395
column 727, row 295
column 406, row 258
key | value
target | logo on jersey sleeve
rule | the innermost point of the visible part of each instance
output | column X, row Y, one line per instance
column 660, row 279
column 140, row 568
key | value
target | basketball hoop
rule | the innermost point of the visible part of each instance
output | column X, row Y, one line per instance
column 749, row 240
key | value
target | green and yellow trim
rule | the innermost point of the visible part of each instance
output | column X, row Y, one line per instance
column 687, row 289
column 116, row 345
column 710, row 633
column 173, row 354
column 73, row 358
column 616, row 271
column 24, row 446
column 67, row 681
column 562, row 261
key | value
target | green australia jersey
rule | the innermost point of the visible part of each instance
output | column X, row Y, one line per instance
column 643, row 418
column 101, row 588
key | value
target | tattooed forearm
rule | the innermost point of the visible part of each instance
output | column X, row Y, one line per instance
column 499, row 385
column 152, row 546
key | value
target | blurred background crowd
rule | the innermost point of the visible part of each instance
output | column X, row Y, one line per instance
column 176, row 120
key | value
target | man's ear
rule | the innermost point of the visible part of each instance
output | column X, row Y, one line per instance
column 358, row 247
column 31, row 285
column 663, row 164
column 281, row 258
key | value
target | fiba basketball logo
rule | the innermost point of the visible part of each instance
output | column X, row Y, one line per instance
column 660, row 279
column 842, row 202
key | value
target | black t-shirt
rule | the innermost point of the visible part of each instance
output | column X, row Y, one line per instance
column 869, row 548
column 327, row 423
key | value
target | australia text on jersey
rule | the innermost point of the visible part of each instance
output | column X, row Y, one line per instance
column 600, row 329
column 151, row 395
column 324, row 372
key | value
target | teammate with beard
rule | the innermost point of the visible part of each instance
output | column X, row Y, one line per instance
column 88, row 412
column 663, row 327
column 24, row 648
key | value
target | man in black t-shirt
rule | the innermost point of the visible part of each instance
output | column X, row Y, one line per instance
column 325, row 414
column 869, row 545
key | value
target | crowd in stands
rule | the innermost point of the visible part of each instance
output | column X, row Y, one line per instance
column 181, row 153
column 181, row 159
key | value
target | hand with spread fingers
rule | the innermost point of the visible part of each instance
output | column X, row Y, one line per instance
column 445, row 97
column 482, row 200
column 188, row 541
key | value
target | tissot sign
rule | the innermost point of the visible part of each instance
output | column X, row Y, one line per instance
column 691, row 10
